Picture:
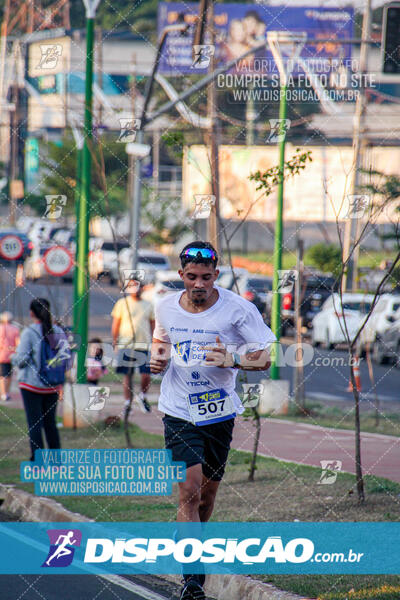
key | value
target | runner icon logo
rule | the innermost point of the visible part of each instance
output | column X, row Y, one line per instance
column 97, row 397
column 203, row 205
column 279, row 128
column 62, row 542
column 54, row 206
column 128, row 129
column 252, row 394
column 330, row 469
column 50, row 55
column 202, row 55
column 358, row 205
column 286, row 279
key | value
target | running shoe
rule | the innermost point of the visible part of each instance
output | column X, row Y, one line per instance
column 192, row 590
column 142, row 401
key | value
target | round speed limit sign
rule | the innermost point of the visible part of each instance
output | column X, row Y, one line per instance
column 57, row 261
column 11, row 247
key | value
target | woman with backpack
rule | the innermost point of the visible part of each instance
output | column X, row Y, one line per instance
column 42, row 357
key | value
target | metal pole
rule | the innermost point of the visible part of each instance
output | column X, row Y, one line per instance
column 213, row 220
column 136, row 204
column 299, row 369
column 276, row 296
column 82, row 238
column 351, row 227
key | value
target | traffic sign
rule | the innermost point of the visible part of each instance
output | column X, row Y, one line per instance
column 11, row 247
column 58, row 261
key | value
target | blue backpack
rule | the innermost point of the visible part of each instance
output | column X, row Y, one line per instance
column 54, row 360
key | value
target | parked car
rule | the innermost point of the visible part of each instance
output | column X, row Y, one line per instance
column 166, row 282
column 328, row 324
column 27, row 245
column 254, row 288
column 381, row 319
column 316, row 289
column 386, row 347
column 149, row 260
column 103, row 257
column 226, row 279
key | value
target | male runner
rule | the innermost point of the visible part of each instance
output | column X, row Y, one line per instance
column 209, row 333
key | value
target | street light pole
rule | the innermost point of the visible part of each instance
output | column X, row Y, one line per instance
column 137, row 188
column 81, row 292
column 350, row 246
column 276, row 296
column 275, row 38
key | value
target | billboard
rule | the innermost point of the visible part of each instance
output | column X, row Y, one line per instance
column 239, row 27
column 318, row 193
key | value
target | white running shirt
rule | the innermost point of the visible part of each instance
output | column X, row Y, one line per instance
column 240, row 328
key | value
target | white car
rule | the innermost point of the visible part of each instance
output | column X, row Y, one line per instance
column 382, row 318
column 166, row 282
column 103, row 256
column 328, row 325
column 150, row 261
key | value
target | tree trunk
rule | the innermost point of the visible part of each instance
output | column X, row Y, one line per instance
column 359, row 475
column 257, row 420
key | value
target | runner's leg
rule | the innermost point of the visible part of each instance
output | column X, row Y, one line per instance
column 209, row 490
column 190, row 494
column 128, row 386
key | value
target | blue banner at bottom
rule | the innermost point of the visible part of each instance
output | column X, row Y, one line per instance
column 161, row 548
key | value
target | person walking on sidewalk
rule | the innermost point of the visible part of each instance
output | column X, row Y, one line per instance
column 132, row 327
column 198, row 397
column 9, row 338
column 42, row 357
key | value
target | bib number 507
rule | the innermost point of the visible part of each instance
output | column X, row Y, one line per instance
column 211, row 407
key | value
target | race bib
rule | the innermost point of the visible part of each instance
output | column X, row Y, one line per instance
column 210, row 407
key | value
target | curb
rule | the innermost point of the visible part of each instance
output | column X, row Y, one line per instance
column 28, row 507
column 239, row 587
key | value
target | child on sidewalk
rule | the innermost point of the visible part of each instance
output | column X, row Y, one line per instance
column 95, row 368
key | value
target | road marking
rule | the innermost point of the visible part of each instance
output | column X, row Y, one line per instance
column 133, row 587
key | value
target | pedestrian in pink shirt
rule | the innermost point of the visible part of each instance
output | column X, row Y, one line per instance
column 9, row 339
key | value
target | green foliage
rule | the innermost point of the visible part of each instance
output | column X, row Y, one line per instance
column 273, row 176
column 164, row 218
column 326, row 257
column 385, row 191
column 59, row 164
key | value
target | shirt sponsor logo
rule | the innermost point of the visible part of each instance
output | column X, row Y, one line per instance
column 198, row 330
column 183, row 350
column 178, row 329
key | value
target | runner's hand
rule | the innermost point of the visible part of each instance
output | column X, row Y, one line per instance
column 218, row 356
column 158, row 360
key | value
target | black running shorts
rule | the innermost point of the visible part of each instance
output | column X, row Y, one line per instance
column 207, row 445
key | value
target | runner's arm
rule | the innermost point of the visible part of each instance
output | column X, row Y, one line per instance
column 250, row 361
column 115, row 330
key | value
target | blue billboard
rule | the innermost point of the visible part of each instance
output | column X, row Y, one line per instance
column 239, row 27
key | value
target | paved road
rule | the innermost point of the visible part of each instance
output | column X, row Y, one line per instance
column 76, row 587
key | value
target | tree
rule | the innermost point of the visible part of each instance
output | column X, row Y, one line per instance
column 381, row 200
column 59, row 165
column 326, row 257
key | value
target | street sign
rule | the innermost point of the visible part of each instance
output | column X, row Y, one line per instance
column 58, row 261
column 11, row 247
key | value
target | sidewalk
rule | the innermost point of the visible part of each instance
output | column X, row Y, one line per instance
column 281, row 439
